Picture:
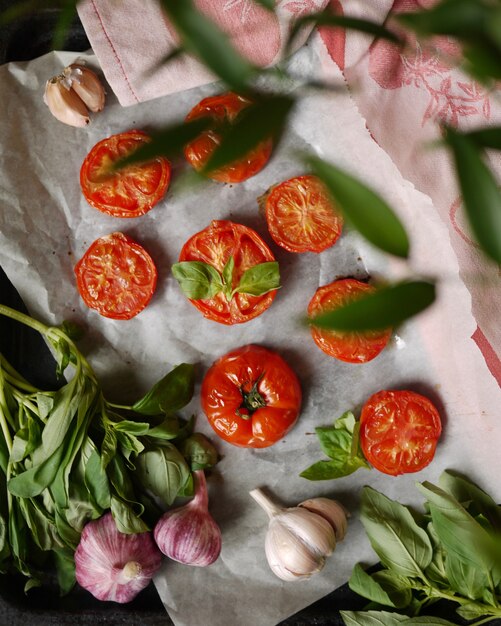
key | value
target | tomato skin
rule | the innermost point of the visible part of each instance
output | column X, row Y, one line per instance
column 224, row 108
column 351, row 347
column 214, row 245
column 116, row 277
column 399, row 431
column 131, row 192
column 301, row 216
column 237, row 372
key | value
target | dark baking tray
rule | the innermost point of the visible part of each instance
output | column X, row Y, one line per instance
column 24, row 39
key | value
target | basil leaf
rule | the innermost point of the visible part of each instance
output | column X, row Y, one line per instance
column 163, row 471
column 489, row 137
column 198, row 280
column 125, row 518
column 198, row 452
column 471, row 611
column 469, row 581
column 460, row 534
column 372, row 618
column 33, row 481
column 171, row 393
column 96, row 480
column 366, row 211
column 386, row 589
column 170, row 428
column 65, row 567
column 260, row 279
column 399, row 542
column 428, row 620
column 481, row 194
column 385, row 308
column 227, row 276
column 131, row 428
column 108, row 447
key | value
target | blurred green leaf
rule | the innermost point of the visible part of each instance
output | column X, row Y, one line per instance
column 212, row 46
column 486, row 137
column 267, row 4
column 329, row 19
column 67, row 13
column 262, row 120
column 18, row 10
column 168, row 142
column 366, row 210
column 459, row 18
column 480, row 191
column 386, row 307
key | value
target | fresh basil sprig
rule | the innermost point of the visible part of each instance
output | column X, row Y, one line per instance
column 453, row 552
column 201, row 281
column 341, row 443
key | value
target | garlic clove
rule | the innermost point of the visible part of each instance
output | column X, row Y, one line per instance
column 313, row 530
column 112, row 565
column 189, row 533
column 64, row 104
column 86, row 85
column 288, row 556
column 330, row 510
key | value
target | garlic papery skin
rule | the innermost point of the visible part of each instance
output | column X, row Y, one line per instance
column 189, row 534
column 86, row 85
column 297, row 540
column 330, row 510
column 113, row 565
column 64, row 104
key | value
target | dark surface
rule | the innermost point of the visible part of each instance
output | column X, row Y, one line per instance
column 22, row 40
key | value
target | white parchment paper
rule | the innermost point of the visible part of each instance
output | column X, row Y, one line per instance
column 46, row 226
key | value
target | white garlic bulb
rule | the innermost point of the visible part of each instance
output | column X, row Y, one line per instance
column 298, row 539
column 113, row 565
column 71, row 94
column 189, row 534
column 332, row 511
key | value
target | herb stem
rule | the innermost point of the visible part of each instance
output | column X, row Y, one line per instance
column 14, row 377
column 124, row 407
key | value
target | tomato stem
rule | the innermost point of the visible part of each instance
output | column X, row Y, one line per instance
column 252, row 400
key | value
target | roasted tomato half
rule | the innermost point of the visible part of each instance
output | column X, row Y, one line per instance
column 251, row 397
column 231, row 256
column 129, row 192
column 223, row 109
column 301, row 216
column 352, row 347
column 399, row 431
column 116, row 277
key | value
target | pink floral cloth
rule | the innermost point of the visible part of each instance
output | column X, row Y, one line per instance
column 402, row 97
column 131, row 37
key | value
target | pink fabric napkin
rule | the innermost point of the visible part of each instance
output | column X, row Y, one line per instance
column 131, row 37
column 403, row 98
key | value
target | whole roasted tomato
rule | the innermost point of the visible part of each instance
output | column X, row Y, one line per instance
column 399, row 431
column 301, row 216
column 228, row 272
column 251, row 397
column 116, row 277
column 131, row 191
column 223, row 109
column 352, row 347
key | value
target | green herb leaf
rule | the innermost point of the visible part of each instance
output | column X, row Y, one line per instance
column 198, row 280
column 262, row 120
column 171, row 393
column 399, row 542
column 372, row 618
column 386, row 307
column 387, row 589
column 260, row 279
column 65, row 568
column 227, row 277
column 341, row 443
column 366, row 210
column 267, row 4
column 471, row 611
column 170, row 428
column 459, row 18
column 460, row 533
column 163, row 471
column 168, row 142
column 469, row 581
column 202, row 37
column 125, row 518
column 486, row 137
column 199, row 452
column 480, row 190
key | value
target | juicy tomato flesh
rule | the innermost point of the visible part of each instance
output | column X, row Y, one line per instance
column 351, row 347
column 222, row 109
column 301, row 216
column 129, row 192
column 214, row 245
column 235, row 374
column 399, row 431
column 116, row 277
